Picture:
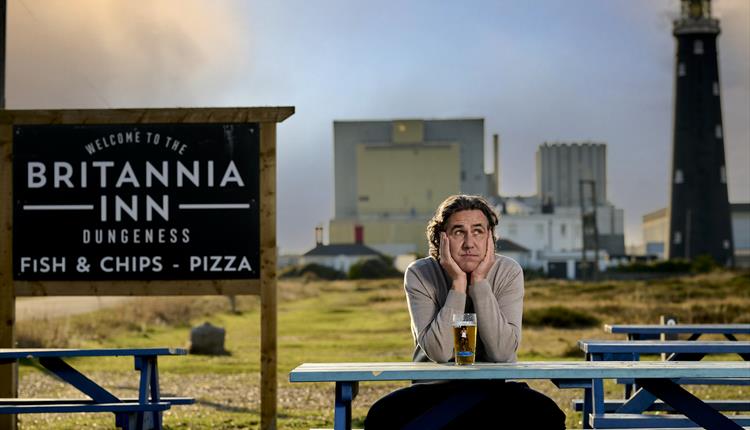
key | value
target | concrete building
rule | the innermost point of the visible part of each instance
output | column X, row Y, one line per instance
column 560, row 167
column 391, row 175
column 549, row 224
column 554, row 239
column 656, row 233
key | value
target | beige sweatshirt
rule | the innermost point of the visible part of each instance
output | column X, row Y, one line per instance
column 497, row 301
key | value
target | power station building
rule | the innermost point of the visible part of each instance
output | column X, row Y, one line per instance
column 390, row 176
column 550, row 223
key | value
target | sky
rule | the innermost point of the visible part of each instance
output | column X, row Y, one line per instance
column 536, row 70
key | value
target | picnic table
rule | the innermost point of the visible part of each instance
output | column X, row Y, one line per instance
column 655, row 375
column 680, row 350
column 653, row 331
column 139, row 413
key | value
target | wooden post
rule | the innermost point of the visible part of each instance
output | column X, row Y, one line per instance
column 667, row 320
column 268, row 349
column 8, row 373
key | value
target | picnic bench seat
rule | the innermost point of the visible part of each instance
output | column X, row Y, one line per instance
column 619, row 421
column 84, row 407
column 51, row 401
column 690, row 350
column 719, row 405
column 654, row 331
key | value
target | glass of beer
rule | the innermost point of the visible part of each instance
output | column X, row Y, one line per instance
column 465, row 338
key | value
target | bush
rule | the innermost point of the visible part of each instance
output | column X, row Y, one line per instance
column 703, row 264
column 531, row 274
column 313, row 270
column 558, row 317
column 376, row 268
column 664, row 266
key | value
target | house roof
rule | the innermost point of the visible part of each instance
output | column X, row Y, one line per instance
column 509, row 245
column 335, row 249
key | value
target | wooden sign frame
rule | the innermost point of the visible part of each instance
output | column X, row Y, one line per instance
column 265, row 287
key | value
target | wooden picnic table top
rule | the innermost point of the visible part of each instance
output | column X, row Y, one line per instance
column 18, row 353
column 678, row 328
column 665, row 346
column 398, row 371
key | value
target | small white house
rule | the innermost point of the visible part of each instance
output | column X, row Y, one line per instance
column 339, row 256
column 513, row 250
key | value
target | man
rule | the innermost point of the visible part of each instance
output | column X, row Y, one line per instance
column 464, row 275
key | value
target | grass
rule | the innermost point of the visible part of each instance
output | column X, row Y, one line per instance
column 328, row 321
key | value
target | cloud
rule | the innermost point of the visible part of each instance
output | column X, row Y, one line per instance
column 109, row 53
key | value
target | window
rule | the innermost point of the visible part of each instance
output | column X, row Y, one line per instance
column 723, row 174
column 698, row 47
column 716, row 88
column 719, row 134
column 677, row 238
column 562, row 229
column 726, row 243
column 681, row 70
column 678, row 179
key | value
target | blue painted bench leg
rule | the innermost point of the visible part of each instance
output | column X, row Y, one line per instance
column 148, row 391
column 593, row 402
column 75, row 378
column 638, row 403
column 346, row 391
column 586, row 411
column 69, row 374
column 684, row 402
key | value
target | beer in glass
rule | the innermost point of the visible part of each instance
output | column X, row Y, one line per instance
column 465, row 338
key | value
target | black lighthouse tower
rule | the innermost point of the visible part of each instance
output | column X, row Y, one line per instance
column 699, row 218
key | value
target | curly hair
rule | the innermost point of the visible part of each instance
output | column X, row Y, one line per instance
column 451, row 205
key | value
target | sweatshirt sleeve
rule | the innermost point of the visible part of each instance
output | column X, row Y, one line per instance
column 499, row 313
column 431, row 323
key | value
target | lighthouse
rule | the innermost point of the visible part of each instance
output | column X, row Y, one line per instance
column 699, row 217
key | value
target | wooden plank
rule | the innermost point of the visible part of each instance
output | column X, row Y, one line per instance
column 719, row 405
column 331, row 372
column 144, row 116
column 52, row 401
column 16, row 353
column 138, row 288
column 96, row 407
column 678, row 329
column 668, row 346
column 8, row 372
column 657, row 421
column 268, row 330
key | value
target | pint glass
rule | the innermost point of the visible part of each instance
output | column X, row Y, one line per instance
column 464, row 338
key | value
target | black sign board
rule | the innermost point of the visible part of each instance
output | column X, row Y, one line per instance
column 136, row 202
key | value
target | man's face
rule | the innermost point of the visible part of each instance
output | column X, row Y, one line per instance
column 467, row 234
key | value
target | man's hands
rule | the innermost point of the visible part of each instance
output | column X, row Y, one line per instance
column 458, row 276
column 480, row 273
